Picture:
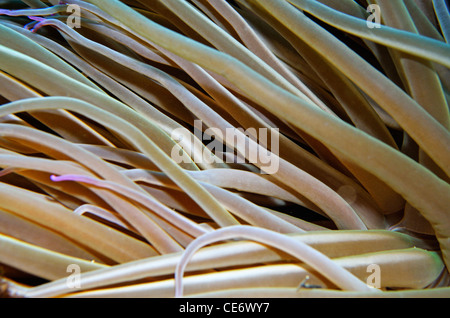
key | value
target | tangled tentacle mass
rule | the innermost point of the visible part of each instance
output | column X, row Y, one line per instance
column 212, row 148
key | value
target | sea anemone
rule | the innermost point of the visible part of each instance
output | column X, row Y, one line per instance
column 212, row 148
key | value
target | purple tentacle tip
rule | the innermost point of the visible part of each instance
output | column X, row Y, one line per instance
column 32, row 17
column 40, row 23
column 54, row 178
column 5, row 12
column 68, row 177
